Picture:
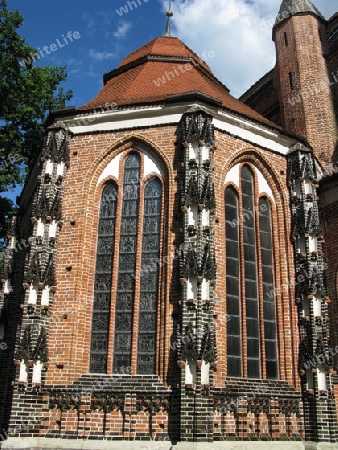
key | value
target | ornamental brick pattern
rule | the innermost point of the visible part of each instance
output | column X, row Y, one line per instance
column 70, row 403
column 199, row 142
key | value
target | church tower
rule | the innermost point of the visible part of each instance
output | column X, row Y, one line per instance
column 303, row 80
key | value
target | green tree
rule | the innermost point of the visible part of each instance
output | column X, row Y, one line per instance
column 27, row 93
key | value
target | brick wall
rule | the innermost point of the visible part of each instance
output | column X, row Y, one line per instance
column 329, row 215
column 71, row 313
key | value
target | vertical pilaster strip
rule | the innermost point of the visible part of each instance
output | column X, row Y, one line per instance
column 315, row 357
column 39, row 283
column 197, row 348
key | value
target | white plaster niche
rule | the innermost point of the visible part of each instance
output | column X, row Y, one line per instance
column 49, row 167
column 308, row 187
column 45, row 297
column 190, row 372
column 205, row 151
column 40, row 228
column 192, row 214
column 33, row 294
column 36, row 377
column 317, row 307
column 12, row 243
column 313, row 244
column 192, row 288
column 193, row 151
column 205, row 218
column 7, row 287
column 321, row 376
column 23, row 376
column 150, row 165
column 205, row 290
column 205, row 372
column 60, row 169
column 52, row 229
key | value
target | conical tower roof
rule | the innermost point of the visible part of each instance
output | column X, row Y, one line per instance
column 163, row 68
column 296, row 7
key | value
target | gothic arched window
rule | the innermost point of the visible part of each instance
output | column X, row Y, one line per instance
column 232, row 284
column 250, row 299
column 102, row 282
column 136, row 276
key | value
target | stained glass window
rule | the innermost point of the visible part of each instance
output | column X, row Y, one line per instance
column 102, row 282
column 124, row 308
column 233, row 302
column 150, row 265
column 250, row 274
column 269, row 307
column 122, row 301
column 245, row 310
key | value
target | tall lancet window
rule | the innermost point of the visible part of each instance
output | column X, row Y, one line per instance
column 127, row 277
column 250, row 274
column 103, row 276
column 232, row 282
column 250, row 287
column 125, row 295
column 149, row 276
column 269, row 307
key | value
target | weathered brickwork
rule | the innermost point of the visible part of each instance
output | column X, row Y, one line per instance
column 71, row 411
column 49, row 281
column 303, row 89
column 306, row 77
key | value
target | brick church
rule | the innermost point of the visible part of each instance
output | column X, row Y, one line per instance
column 171, row 276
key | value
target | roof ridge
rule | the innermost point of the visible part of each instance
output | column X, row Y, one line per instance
column 150, row 48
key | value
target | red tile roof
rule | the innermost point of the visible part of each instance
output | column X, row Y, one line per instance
column 164, row 46
column 164, row 67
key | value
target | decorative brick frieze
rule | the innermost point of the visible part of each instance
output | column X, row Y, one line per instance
column 264, row 410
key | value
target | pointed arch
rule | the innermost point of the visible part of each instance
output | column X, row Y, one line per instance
column 233, row 299
column 251, row 295
column 149, row 278
column 102, row 279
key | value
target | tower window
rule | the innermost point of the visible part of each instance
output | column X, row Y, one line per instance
column 291, row 81
column 286, row 39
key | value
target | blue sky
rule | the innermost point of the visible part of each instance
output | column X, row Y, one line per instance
column 236, row 32
column 105, row 36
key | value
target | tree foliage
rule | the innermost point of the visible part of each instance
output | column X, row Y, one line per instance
column 27, row 93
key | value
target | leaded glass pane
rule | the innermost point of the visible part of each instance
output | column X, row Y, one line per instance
column 232, row 281
column 269, row 307
column 127, row 264
column 102, row 281
column 146, row 355
column 250, row 274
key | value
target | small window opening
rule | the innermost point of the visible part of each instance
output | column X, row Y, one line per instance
column 291, row 81
column 286, row 40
